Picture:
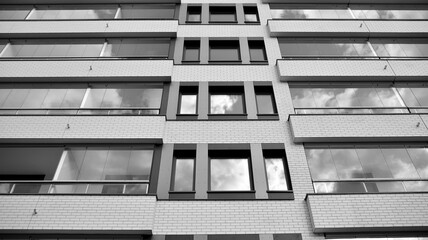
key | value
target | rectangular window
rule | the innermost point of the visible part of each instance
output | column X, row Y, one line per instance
column 332, row 166
column 137, row 47
column 224, row 50
column 257, row 51
column 230, row 170
column 184, row 171
column 251, row 15
column 276, row 170
column 188, row 103
column 194, row 14
column 223, row 14
column 56, row 12
column 227, row 100
column 127, row 169
column 104, row 99
column 14, row 12
column 191, row 51
column 265, row 100
column 146, row 11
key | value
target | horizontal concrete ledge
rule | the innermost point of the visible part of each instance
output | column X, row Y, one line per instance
column 347, row 28
column 66, row 70
column 352, row 69
column 335, row 70
column 60, row 141
column 365, row 213
column 84, row 1
column 358, row 128
column 145, row 232
column 101, row 28
column 347, row 1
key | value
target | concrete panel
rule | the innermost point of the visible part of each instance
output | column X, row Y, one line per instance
column 67, row 213
column 220, row 31
column 302, row 28
column 347, row 1
column 335, row 70
column 368, row 212
column 409, row 70
column 108, row 28
column 85, row 1
column 397, row 28
column 65, row 70
column 357, row 128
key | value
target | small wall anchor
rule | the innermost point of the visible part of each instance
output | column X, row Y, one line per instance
column 106, row 25
column 386, row 66
column 68, row 126
column 361, row 25
column 90, row 68
column 418, row 124
column 35, row 212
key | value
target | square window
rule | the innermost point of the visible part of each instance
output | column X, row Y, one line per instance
column 224, row 50
column 265, row 100
column 194, row 14
column 227, row 100
column 230, row 170
column 191, row 51
column 225, row 14
column 250, row 14
column 184, row 171
column 188, row 102
column 257, row 51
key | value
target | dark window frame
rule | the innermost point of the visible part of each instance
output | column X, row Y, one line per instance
column 183, row 154
column 225, row 10
column 251, row 9
column 191, row 44
column 194, row 10
column 266, row 90
column 232, row 44
column 257, row 44
column 227, row 90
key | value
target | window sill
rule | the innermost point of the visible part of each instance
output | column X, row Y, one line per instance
column 223, row 22
column 262, row 62
column 193, row 22
column 187, row 116
column 224, row 62
column 175, row 195
column 274, row 116
column 190, row 62
column 227, row 116
column 233, row 195
column 252, row 22
column 281, row 195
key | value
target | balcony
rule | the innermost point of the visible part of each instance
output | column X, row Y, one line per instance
column 387, row 212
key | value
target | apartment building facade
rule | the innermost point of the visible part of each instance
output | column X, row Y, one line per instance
column 213, row 119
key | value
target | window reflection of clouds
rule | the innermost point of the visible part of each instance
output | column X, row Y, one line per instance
column 400, row 164
column 230, row 174
column 276, row 174
column 321, row 164
column 347, row 163
column 183, row 175
column 188, row 104
column 226, row 104
column 420, row 160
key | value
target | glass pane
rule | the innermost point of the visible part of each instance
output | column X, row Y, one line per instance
column 384, row 187
column 321, row 164
column 193, row 13
column 136, row 188
column 137, row 47
column 347, row 163
column 191, row 54
column 419, row 158
column 68, row 188
column 373, row 163
column 94, row 98
column 224, row 53
column 73, row 160
column 116, row 165
column 265, row 104
column 276, row 174
column 35, row 98
column 226, row 104
column 325, row 97
column 257, row 54
column 230, row 175
column 416, row 186
column 421, row 95
column 147, row 11
column 408, row 97
column 73, row 98
column 399, row 162
column 188, row 104
column 47, row 12
column 54, row 98
column 183, row 180
column 16, row 98
column 93, row 164
column 339, row 187
column 302, row 98
column 222, row 14
column 140, row 164
column 13, row 14
column 5, row 187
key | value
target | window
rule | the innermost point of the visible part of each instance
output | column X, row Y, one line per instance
column 224, row 50
column 14, row 12
column 333, row 166
column 64, row 99
column 88, row 48
column 53, row 12
column 230, row 171
column 191, row 51
column 265, row 100
column 194, row 14
column 279, row 11
column 257, row 51
column 188, row 102
column 184, row 171
column 250, row 14
column 227, row 100
column 146, row 11
column 84, row 169
column 223, row 14
column 276, row 170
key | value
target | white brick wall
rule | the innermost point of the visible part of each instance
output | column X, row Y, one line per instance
column 56, row 212
column 356, row 128
column 390, row 212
